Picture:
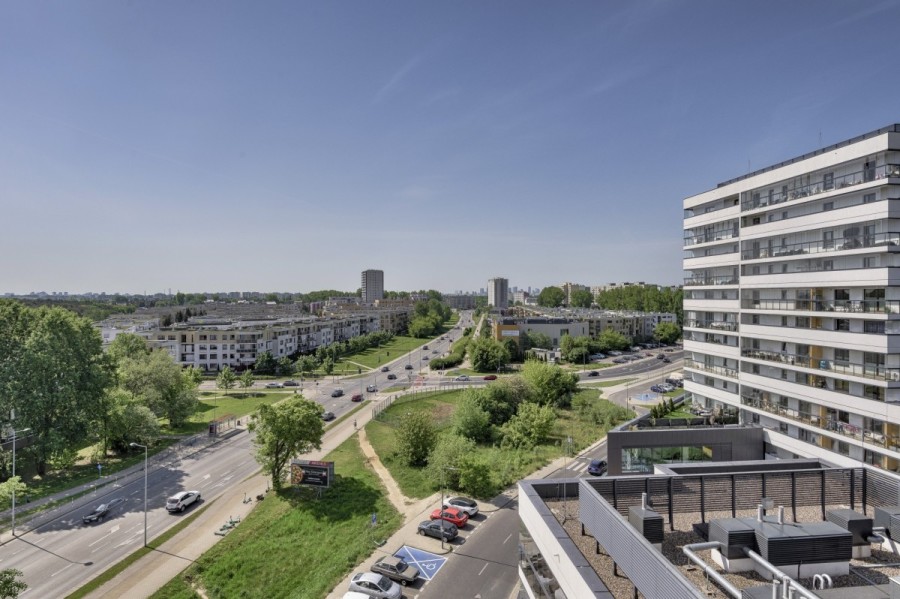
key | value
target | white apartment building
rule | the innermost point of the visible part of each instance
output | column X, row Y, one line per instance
column 498, row 293
column 372, row 285
column 792, row 300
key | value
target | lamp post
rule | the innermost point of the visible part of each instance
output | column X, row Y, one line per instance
column 145, row 488
column 443, row 488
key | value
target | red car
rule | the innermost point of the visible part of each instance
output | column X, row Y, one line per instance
column 357, row 397
column 451, row 515
column 491, row 377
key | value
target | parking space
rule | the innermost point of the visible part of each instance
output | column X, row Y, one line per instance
column 429, row 564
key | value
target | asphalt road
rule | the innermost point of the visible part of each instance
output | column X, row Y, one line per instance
column 61, row 555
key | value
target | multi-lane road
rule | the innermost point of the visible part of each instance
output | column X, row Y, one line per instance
column 61, row 554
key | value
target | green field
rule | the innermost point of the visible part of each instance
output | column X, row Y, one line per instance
column 294, row 545
column 215, row 404
column 508, row 465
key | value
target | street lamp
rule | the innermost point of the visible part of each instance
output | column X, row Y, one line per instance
column 145, row 488
column 443, row 469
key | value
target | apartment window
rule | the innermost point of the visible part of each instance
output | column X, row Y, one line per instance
column 874, row 327
column 202, row 337
column 828, row 181
column 784, row 216
column 841, row 324
column 842, row 385
column 842, row 356
column 873, row 392
column 843, row 448
column 784, row 321
column 828, row 239
column 754, row 319
column 870, row 262
column 842, row 295
column 802, row 322
column 783, row 427
column 828, row 265
column 827, row 206
column 868, row 198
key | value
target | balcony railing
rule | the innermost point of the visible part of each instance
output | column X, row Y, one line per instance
column 876, row 306
column 761, row 198
column 711, row 368
column 707, row 237
column 833, row 426
column 722, row 280
column 825, row 246
column 715, row 325
column 867, row 370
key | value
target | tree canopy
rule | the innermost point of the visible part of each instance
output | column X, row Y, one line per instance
column 551, row 297
column 488, row 355
column 581, row 298
column 290, row 427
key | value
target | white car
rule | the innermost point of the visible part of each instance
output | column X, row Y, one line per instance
column 461, row 377
column 375, row 585
column 463, row 504
column 273, row 385
column 182, row 500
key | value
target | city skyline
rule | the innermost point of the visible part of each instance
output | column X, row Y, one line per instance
column 289, row 148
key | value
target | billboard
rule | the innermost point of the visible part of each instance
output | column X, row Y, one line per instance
column 312, row 473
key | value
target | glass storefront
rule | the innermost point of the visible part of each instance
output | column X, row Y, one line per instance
column 641, row 460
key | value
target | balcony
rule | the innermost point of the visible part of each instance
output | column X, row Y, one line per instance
column 877, row 306
column 761, row 199
column 710, row 281
column 854, row 242
column 708, row 237
column 870, row 371
column 843, row 429
column 715, row 325
column 718, row 370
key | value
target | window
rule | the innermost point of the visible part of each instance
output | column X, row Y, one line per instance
column 841, row 324
column 870, row 262
column 868, row 198
column 828, row 181
column 828, row 265
column 874, row 327
column 842, row 356
column 828, row 239
column 827, row 206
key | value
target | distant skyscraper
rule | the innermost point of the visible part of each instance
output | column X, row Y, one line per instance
column 372, row 286
column 498, row 292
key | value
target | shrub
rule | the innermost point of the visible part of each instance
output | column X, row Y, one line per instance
column 475, row 477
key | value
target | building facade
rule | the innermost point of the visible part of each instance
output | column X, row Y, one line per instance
column 498, row 293
column 372, row 284
column 792, row 300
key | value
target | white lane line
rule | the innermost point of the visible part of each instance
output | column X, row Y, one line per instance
column 58, row 571
column 111, row 531
column 483, row 569
column 206, row 476
column 99, row 548
column 507, row 538
column 136, row 492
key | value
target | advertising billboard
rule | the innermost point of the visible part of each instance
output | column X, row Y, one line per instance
column 312, row 473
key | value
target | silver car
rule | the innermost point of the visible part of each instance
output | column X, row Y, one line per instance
column 375, row 585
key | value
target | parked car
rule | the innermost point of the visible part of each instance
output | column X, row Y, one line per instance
column 666, row 361
column 597, row 467
column 491, row 377
column 593, row 373
column 371, row 389
column 660, row 356
column 182, row 500
column 395, row 568
column 657, row 389
column 463, row 504
column 438, row 529
column 452, row 515
column 337, row 393
column 102, row 511
column 392, row 377
column 425, row 347
column 619, row 361
column 328, row 416
column 273, row 385
column 357, row 397
column 434, row 351
column 375, row 585
column 291, row 384
column 462, row 378
column 615, row 352
column 425, row 357
column 384, row 369
column 408, row 367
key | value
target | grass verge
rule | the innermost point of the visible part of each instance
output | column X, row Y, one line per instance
column 293, row 544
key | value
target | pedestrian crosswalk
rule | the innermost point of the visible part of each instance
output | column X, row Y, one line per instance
column 578, row 465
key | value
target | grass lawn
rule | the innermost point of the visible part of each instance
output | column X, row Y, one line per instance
column 508, row 465
column 294, row 545
column 216, row 404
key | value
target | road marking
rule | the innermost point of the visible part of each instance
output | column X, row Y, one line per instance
column 483, row 569
column 99, row 548
column 206, row 476
column 507, row 538
column 58, row 571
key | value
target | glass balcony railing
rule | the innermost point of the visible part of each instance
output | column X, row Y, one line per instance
column 711, row 368
column 762, row 198
column 833, row 426
column 721, row 280
column 715, row 325
column 865, row 370
column 691, row 238
column 824, row 246
column 877, row 306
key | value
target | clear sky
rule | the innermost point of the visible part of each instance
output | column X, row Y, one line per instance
column 287, row 146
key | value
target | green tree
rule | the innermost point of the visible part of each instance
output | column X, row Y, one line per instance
column 581, row 298
column 53, row 372
column 550, row 384
column 445, row 459
column 530, row 426
column 194, row 376
column 10, row 585
column 470, row 420
column 284, row 430
column 265, row 363
column 161, row 385
column 284, row 366
column 307, row 364
column 416, row 437
column 551, row 297
column 535, row 339
column 127, row 345
column 7, row 487
column 609, row 339
column 488, row 355
column 476, row 476
column 328, row 366
column 247, row 379
column 226, row 379
column 501, row 399
column 667, row 332
column 130, row 421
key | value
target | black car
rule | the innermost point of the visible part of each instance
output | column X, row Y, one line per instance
column 101, row 511
column 395, row 568
column 328, row 416
column 384, row 369
column 337, row 393
column 408, row 367
column 392, row 377
column 438, row 529
column 593, row 373
column 290, row 384
column 597, row 467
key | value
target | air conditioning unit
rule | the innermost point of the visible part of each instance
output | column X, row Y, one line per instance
column 895, row 375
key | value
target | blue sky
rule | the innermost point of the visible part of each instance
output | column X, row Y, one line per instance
column 287, row 146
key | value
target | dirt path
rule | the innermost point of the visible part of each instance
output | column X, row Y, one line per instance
column 406, row 506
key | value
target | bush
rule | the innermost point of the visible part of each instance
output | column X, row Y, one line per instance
column 471, row 421
column 445, row 461
column 416, row 437
column 530, row 426
column 476, row 477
